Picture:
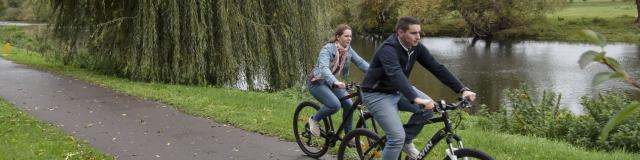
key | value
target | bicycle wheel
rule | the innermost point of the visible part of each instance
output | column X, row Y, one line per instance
column 369, row 123
column 368, row 146
column 313, row 146
column 467, row 153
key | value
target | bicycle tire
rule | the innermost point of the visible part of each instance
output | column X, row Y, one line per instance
column 372, row 139
column 470, row 153
column 309, row 148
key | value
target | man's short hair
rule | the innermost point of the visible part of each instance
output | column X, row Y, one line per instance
column 405, row 22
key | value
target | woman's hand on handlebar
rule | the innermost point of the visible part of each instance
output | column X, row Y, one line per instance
column 425, row 103
column 339, row 84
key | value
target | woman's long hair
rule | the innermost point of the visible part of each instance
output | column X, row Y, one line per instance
column 339, row 31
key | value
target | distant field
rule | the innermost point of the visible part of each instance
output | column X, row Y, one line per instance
column 601, row 8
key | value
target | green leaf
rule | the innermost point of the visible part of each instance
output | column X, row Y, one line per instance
column 614, row 63
column 587, row 57
column 594, row 37
column 617, row 119
column 600, row 57
column 618, row 75
column 604, row 76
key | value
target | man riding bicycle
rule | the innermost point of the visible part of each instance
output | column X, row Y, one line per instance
column 386, row 88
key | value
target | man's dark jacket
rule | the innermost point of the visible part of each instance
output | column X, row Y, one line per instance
column 391, row 66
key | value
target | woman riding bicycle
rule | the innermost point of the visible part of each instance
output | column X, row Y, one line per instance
column 334, row 60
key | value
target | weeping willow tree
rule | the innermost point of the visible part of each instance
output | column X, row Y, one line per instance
column 257, row 44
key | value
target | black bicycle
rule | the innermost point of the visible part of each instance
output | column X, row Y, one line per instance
column 370, row 144
column 317, row 146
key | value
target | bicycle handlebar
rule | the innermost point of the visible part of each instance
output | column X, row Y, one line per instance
column 442, row 106
column 348, row 86
column 352, row 90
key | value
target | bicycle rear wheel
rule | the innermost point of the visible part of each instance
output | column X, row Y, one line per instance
column 467, row 153
column 313, row 146
column 368, row 146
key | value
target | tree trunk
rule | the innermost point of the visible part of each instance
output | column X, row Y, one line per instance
column 638, row 9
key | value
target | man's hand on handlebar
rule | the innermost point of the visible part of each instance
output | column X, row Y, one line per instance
column 468, row 95
column 425, row 103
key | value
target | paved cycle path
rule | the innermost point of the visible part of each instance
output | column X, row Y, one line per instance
column 128, row 127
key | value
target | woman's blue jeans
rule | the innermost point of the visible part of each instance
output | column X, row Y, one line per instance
column 330, row 98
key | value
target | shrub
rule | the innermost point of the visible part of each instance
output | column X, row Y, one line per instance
column 599, row 109
column 521, row 114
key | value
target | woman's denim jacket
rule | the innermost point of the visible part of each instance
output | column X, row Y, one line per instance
column 322, row 70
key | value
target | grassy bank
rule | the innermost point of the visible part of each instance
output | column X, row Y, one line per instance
column 24, row 137
column 613, row 19
column 271, row 113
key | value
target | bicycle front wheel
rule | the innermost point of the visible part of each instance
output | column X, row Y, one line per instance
column 313, row 146
column 368, row 146
column 467, row 153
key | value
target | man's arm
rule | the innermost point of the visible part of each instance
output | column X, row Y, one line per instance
column 442, row 73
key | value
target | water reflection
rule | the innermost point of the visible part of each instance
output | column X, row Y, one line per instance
column 489, row 69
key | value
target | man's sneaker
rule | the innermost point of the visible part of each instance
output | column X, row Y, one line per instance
column 410, row 150
column 314, row 127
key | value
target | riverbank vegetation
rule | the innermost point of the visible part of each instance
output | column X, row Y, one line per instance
column 544, row 117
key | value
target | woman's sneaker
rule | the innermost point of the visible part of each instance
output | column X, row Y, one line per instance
column 314, row 127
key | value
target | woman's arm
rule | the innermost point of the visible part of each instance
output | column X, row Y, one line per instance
column 324, row 63
column 356, row 59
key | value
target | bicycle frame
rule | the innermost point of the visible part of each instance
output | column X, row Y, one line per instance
column 375, row 144
column 333, row 135
column 446, row 132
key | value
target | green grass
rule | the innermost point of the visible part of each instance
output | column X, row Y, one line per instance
column 271, row 114
column 603, row 9
column 613, row 19
column 24, row 137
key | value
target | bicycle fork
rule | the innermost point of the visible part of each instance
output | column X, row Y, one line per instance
column 450, row 152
